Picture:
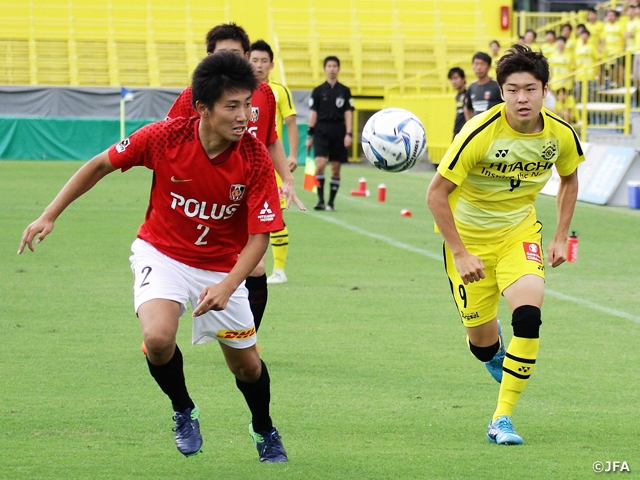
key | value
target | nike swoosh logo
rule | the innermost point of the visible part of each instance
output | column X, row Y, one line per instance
column 175, row 180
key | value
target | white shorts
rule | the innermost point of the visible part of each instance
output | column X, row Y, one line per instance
column 158, row 276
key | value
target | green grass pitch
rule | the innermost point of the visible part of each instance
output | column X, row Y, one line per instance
column 371, row 377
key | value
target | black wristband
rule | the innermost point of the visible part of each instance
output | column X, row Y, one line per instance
column 310, row 131
column 350, row 134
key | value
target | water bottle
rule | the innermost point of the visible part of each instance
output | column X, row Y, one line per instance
column 572, row 248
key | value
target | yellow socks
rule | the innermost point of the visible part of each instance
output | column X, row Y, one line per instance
column 280, row 248
column 517, row 368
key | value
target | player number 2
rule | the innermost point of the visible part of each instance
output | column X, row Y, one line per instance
column 146, row 271
column 201, row 240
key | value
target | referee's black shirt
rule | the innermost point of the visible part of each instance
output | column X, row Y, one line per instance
column 330, row 103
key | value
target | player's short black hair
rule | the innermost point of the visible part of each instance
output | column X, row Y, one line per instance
column 262, row 46
column 520, row 58
column 482, row 56
column 568, row 25
column 586, row 31
column 329, row 59
column 563, row 38
column 455, row 70
column 219, row 73
column 530, row 30
column 494, row 41
column 227, row 31
column 551, row 32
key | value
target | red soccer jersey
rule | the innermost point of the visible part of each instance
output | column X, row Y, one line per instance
column 262, row 123
column 201, row 210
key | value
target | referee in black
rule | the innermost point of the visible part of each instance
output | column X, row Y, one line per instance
column 330, row 129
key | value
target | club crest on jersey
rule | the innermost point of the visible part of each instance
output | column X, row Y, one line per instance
column 122, row 146
column 549, row 151
column 487, row 95
column 532, row 251
column 236, row 191
column 339, row 102
column 255, row 114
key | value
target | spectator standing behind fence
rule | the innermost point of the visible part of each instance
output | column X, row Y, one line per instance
column 632, row 36
column 560, row 65
column 586, row 58
column 565, row 106
column 530, row 40
column 459, row 84
column 549, row 45
column 612, row 43
column 330, row 129
column 494, row 52
column 594, row 26
column 483, row 93
column 566, row 31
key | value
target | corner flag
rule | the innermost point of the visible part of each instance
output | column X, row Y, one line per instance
column 310, row 183
column 126, row 95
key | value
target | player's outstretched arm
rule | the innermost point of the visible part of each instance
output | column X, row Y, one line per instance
column 470, row 267
column 566, row 204
column 216, row 297
column 82, row 181
column 279, row 159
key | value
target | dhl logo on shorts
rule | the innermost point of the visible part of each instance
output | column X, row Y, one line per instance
column 236, row 334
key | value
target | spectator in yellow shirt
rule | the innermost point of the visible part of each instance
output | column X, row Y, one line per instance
column 530, row 40
column 566, row 31
column 494, row 53
column 549, row 46
column 594, row 26
column 560, row 65
column 612, row 43
column 565, row 106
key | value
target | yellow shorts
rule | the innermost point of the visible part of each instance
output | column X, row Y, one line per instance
column 283, row 199
column 504, row 263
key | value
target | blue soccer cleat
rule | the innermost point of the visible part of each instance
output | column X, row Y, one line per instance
column 269, row 445
column 495, row 364
column 188, row 438
column 501, row 432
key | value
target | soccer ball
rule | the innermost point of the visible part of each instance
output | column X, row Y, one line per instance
column 393, row 139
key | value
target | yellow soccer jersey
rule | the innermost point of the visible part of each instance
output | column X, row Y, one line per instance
column 284, row 104
column 586, row 57
column 595, row 29
column 499, row 172
column 560, row 65
column 284, row 108
column 613, row 38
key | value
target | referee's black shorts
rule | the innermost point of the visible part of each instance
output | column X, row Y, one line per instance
column 328, row 141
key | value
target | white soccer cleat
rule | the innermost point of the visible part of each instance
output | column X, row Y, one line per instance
column 278, row 276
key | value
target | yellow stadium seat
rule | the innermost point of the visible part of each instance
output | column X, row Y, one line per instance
column 14, row 62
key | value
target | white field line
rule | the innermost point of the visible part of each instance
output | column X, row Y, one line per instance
column 328, row 217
